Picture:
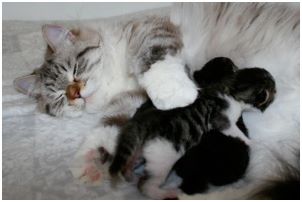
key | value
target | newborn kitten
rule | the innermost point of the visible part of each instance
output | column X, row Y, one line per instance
column 162, row 137
column 217, row 159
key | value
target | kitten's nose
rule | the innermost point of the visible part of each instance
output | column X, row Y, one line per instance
column 73, row 90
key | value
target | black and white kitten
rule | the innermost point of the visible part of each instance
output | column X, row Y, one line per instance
column 162, row 137
column 218, row 159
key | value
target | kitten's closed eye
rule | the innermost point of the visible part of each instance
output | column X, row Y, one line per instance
column 255, row 86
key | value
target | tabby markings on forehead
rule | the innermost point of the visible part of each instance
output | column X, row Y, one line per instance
column 86, row 50
column 94, row 63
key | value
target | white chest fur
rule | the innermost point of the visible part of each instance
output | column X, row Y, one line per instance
column 112, row 77
column 233, row 113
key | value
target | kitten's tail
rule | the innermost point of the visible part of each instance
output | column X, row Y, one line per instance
column 127, row 151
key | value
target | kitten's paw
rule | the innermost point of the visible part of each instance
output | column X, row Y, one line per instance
column 89, row 168
column 168, row 84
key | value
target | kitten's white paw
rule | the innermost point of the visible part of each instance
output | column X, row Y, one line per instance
column 168, row 84
column 87, row 168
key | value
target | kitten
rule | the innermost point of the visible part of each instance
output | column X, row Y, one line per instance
column 161, row 137
column 85, row 68
column 217, row 159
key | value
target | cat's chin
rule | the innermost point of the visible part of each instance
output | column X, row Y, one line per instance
column 93, row 104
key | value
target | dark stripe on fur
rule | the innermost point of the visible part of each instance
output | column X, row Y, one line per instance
column 116, row 120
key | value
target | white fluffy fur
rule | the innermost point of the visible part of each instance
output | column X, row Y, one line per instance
column 168, row 84
column 233, row 113
column 112, row 77
column 159, row 152
column 275, row 133
column 105, row 135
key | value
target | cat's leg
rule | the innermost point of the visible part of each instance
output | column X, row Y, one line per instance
column 160, row 156
column 155, row 46
column 168, row 84
column 90, row 165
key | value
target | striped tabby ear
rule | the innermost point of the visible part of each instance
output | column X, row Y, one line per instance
column 27, row 85
column 56, row 36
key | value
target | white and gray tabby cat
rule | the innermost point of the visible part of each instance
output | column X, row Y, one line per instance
column 85, row 68
column 151, row 53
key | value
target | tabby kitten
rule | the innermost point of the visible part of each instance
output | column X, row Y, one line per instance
column 161, row 137
column 217, row 159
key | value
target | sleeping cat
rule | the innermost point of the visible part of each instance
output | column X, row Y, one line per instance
column 161, row 137
column 264, row 34
column 85, row 68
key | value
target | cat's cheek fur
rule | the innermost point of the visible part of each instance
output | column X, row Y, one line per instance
column 168, row 84
column 90, row 89
column 74, row 110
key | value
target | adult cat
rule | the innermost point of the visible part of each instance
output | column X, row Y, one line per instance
column 252, row 34
column 86, row 68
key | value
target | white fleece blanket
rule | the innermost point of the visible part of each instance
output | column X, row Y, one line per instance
column 37, row 149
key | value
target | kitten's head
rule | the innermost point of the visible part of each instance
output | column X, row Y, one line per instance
column 216, row 71
column 254, row 86
column 60, row 84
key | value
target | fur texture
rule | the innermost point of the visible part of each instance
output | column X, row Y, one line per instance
column 85, row 68
column 253, row 34
column 216, row 108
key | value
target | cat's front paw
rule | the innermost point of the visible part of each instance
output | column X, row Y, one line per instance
column 168, row 85
column 173, row 94
column 90, row 167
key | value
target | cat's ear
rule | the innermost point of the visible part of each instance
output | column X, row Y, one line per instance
column 56, row 36
column 27, row 85
column 87, row 37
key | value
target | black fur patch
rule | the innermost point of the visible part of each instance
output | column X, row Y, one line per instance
column 217, row 160
column 215, row 72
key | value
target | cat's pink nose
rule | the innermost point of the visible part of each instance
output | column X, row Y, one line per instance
column 73, row 90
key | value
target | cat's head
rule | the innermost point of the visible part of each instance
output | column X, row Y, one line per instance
column 254, row 86
column 61, row 83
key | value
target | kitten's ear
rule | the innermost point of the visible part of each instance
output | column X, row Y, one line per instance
column 56, row 36
column 27, row 85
